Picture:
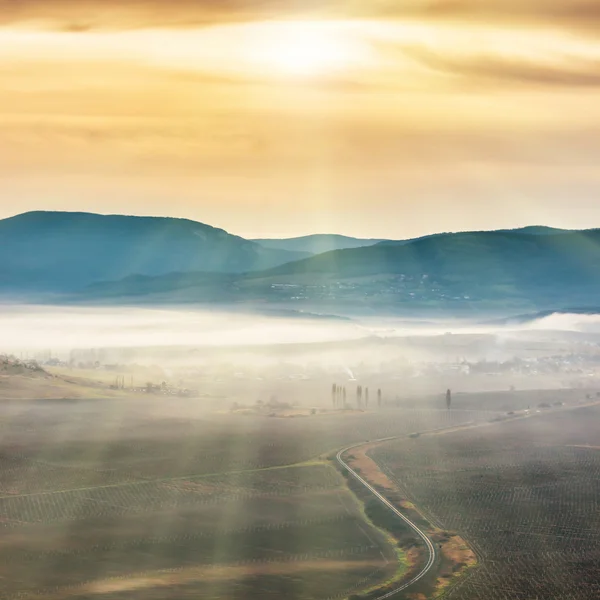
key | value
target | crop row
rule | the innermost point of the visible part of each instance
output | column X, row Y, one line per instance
column 329, row 539
column 60, row 463
column 526, row 502
column 139, row 498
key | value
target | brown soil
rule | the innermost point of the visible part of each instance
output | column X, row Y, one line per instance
column 456, row 550
column 458, row 558
column 368, row 468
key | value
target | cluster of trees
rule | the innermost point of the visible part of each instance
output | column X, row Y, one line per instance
column 119, row 383
column 360, row 395
column 339, row 396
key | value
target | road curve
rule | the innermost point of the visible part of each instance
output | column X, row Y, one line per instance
column 429, row 544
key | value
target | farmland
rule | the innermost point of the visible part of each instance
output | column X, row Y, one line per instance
column 132, row 498
column 157, row 499
column 524, row 494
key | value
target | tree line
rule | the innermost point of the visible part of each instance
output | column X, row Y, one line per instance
column 339, row 397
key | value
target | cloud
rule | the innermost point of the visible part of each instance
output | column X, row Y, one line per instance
column 82, row 15
column 570, row 72
column 582, row 16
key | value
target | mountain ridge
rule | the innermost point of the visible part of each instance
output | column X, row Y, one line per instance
column 320, row 243
column 469, row 268
column 85, row 256
column 317, row 243
column 58, row 251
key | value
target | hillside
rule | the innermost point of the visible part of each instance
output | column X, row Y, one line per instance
column 317, row 244
column 529, row 230
column 321, row 243
column 538, row 230
column 481, row 266
column 57, row 251
column 493, row 257
column 502, row 269
column 27, row 380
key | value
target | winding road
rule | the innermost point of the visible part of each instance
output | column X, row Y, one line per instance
column 428, row 543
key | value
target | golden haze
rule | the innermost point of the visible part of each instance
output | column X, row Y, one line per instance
column 372, row 124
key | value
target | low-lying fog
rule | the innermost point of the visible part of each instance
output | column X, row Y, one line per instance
column 31, row 328
column 65, row 328
column 407, row 356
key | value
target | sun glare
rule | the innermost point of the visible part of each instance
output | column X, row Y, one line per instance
column 306, row 48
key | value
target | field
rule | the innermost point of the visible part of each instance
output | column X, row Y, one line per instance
column 155, row 499
column 128, row 498
column 523, row 493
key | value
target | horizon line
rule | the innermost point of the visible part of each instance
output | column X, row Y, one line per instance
column 303, row 235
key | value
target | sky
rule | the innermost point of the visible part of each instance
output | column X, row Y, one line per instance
column 373, row 118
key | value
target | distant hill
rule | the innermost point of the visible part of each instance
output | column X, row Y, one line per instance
column 59, row 251
column 489, row 256
column 529, row 230
column 483, row 265
column 317, row 244
column 320, row 243
column 506, row 270
column 538, row 230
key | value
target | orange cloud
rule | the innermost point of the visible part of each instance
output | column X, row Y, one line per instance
column 81, row 15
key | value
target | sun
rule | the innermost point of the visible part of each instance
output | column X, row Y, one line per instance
column 305, row 48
